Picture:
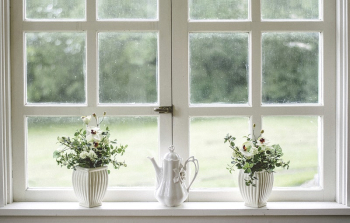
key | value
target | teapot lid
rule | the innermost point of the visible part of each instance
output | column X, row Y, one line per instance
column 172, row 155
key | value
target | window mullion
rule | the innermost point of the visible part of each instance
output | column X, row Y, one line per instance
column 255, row 12
column 164, row 75
column 18, row 99
column 91, row 81
column 255, row 64
column 255, row 77
column 328, row 94
column 180, row 90
column 91, row 11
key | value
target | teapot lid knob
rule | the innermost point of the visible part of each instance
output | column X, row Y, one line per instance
column 171, row 148
column 172, row 156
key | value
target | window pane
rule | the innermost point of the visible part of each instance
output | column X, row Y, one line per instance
column 290, row 9
column 55, row 67
column 218, row 9
column 139, row 133
column 207, row 145
column 43, row 170
column 127, row 9
column 298, row 137
column 290, row 63
column 55, row 10
column 219, row 69
column 128, row 67
column 141, row 136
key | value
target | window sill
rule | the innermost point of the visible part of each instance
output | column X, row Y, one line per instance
column 137, row 209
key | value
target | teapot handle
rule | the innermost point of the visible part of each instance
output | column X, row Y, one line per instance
column 196, row 164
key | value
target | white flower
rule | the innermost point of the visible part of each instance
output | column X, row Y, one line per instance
column 268, row 148
column 93, row 134
column 60, row 149
column 92, row 155
column 86, row 119
column 69, row 151
column 263, row 147
column 84, row 154
column 248, row 150
column 262, row 141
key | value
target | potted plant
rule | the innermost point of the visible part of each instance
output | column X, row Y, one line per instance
column 256, row 159
column 88, row 153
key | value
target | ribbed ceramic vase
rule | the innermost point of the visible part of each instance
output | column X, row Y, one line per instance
column 90, row 185
column 256, row 196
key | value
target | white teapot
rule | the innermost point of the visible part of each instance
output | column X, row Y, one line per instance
column 171, row 189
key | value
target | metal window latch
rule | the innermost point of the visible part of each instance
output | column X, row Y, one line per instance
column 164, row 109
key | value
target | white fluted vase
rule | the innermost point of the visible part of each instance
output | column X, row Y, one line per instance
column 90, row 185
column 256, row 196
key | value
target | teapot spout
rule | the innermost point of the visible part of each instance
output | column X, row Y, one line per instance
column 159, row 170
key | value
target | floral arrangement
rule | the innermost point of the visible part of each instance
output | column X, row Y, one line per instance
column 255, row 155
column 89, row 148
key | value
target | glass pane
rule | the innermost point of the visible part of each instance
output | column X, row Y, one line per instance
column 55, row 67
column 218, row 9
column 290, row 63
column 139, row 133
column 55, row 9
column 127, row 9
column 290, row 9
column 219, row 68
column 141, row 136
column 207, row 145
column 43, row 170
column 298, row 138
column 128, row 67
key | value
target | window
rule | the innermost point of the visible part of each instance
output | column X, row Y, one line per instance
column 223, row 66
column 80, row 57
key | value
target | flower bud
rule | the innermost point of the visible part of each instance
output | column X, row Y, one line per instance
column 86, row 119
column 262, row 131
column 253, row 125
column 104, row 113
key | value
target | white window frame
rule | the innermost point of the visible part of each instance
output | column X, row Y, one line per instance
column 255, row 110
column 342, row 189
column 91, row 26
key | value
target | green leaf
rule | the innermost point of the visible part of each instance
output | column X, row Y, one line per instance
column 56, row 154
